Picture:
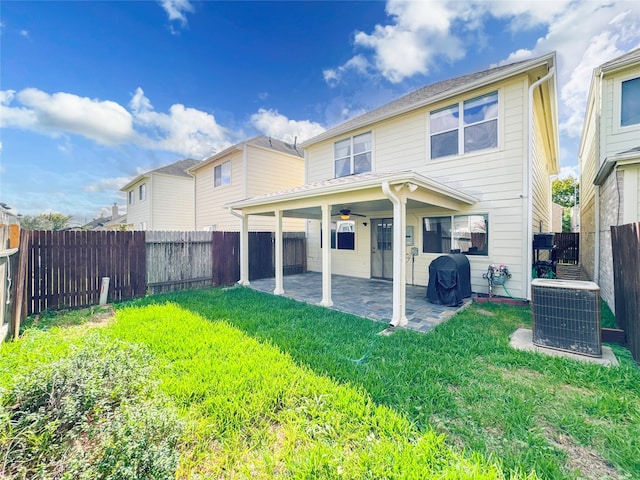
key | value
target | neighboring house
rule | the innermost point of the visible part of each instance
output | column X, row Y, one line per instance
column 609, row 165
column 161, row 199
column 114, row 222
column 557, row 212
column 460, row 164
column 250, row 168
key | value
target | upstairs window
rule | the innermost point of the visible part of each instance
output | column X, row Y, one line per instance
column 352, row 155
column 142, row 192
column 466, row 233
column 630, row 106
column 222, row 174
column 476, row 129
column 131, row 197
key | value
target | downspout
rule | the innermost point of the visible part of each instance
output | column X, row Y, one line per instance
column 399, row 289
column 244, row 246
column 529, row 239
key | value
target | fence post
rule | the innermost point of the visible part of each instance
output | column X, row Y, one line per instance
column 20, row 298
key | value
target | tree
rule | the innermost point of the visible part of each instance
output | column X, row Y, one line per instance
column 565, row 192
column 45, row 221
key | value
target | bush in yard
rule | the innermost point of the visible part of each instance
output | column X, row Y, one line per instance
column 92, row 415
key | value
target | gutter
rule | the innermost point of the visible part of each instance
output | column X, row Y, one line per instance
column 529, row 239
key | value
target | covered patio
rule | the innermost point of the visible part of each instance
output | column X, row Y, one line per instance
column 366, row 298
column 385, row 197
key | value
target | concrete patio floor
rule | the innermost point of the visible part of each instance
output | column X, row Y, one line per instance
column 363, row 297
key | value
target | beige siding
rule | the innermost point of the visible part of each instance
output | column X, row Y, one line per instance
column 269, row 171
column 496, row 177
column 541, row 183
column 615, row 138
column 172, row 203
column 139, row 214
column 210, row 201
column 589, row 163
column 266, row 171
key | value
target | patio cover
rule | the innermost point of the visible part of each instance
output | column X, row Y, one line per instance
column 321, row 200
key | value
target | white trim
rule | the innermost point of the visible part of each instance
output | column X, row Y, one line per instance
column 617, row 104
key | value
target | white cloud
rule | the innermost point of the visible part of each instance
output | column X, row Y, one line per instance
column 276, row 125
column 359, row 63
column 105, row 122
column 570, row 171
column 176, row 11
column 108, row 184
column 183, row 130
column 24, row 33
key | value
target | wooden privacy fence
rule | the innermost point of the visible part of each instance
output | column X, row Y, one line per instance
column 625, row 244
column 226, row 245
column 178, row 260
column 568, row 247
column 65, row 269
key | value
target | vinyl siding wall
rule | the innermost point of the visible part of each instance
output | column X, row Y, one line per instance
column 173, row 203
column 496, row 177
column 262, row 168
column 139, row 212
column 269, row 171
column 589, row 163
column 602, row 141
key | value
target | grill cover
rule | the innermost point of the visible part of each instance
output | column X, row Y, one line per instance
column 449, row 280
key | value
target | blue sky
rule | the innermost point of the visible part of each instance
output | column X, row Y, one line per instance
column 94, row 93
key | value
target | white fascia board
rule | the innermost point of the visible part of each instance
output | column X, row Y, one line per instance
column 134, row 181
column 215, row 157
column 393, row 179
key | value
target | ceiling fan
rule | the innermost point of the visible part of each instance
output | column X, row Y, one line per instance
column 345, row 213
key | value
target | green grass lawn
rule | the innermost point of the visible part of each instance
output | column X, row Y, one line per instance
column 271, row 388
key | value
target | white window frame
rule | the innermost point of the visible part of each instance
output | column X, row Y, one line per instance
column 142, row 192
column 132, row 197
column 221, row 167
column 617, row 104
column 453, row 238
column 351, row 154
column 461, row 126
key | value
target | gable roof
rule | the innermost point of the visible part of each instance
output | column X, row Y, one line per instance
column 261, row 141
column 177, row 169
column 432, row 93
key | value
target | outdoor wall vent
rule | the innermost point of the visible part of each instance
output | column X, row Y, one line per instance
column 566, row 316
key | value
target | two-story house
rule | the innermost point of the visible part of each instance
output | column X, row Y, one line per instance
column 463, row 164
column 251, row 168
column 609, row 165
column 161, row 199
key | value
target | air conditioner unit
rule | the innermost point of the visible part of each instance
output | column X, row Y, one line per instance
column 566, row 315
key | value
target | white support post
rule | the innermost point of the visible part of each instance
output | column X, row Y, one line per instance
column 326, row 256
column 244, row 251
column 399, row 202
column 279, row 290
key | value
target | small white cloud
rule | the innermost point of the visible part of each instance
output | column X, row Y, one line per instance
column 571, row 171
column 24, row 33
column 276, row 125
column 176, row 11
column 263, row 95
column 359, row 64
column 108, row 184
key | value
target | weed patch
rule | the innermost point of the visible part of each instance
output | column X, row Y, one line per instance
column 90, row 415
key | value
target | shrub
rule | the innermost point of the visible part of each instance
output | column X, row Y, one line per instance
column 94, row 414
